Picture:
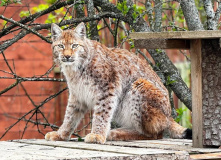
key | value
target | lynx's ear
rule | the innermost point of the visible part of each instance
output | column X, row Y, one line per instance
column 56, row 32
column 81, row 30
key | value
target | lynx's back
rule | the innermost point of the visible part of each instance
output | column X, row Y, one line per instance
column 116, row 84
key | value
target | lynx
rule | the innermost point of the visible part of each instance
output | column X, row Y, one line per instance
column 117, row 85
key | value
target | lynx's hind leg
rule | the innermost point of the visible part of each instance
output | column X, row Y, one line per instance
column 151, row 95
column 156, row 111
column 154, row 107
column 123, row 134
column 154, row 122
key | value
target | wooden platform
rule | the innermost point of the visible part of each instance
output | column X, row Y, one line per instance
column 166, row 149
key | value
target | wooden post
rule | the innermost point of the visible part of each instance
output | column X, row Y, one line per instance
column 196, row 84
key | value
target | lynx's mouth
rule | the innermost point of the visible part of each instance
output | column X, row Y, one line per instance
column 67, row 60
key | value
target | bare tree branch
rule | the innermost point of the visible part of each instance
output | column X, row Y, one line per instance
column 158, row 16
column 211, row 24
column 218, row 11
column 150, row 14
column 23, row 33
column 58, row 4
column 25, row 27
column 92, row 24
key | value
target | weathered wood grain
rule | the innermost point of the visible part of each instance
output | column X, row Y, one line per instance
column 167, row 144
column 14, row 150
column 41, row 149
column 166, row 149
column 206, row 156
column 162, row 43
column 176, row 35
column 196, row 85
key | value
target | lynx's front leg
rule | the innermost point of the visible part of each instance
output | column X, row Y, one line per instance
column 103, row 113
column 74, row 113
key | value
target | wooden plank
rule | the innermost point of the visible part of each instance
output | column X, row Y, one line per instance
column 98, row 147
column 162, row 44
column 196, row 85
column 149, row 149
column 42, row 149
column 167, row 144
column 13, row 150
column 206, row 156
column 176, row 35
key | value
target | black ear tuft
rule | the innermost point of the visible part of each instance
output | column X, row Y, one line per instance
column 188, row 134
column 56, row 32
column 81, row 30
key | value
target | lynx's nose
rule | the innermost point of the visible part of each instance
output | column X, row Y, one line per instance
column 67, row 57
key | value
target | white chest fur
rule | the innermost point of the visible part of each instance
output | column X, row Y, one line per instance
column 80, row 87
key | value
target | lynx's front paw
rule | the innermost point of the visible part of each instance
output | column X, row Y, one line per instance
column 53, row 136
column 95, row 138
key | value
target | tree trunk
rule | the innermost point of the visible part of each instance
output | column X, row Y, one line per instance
column 158, row 16
column 211, row 24
column 191, row 15
column 93, row 24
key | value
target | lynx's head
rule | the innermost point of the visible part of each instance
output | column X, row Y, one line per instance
column 69, row 46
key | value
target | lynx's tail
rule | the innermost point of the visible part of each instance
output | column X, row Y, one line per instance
column 177, row 131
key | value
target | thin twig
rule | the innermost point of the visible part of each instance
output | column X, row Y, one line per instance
column 183, row 53
column 10, row 87
column 57, row 5
column 35, row 79
column 98, row 16
column 26, row 28
column 115, row 32
column 41, row 104
column 145, row 57
column 53, row 126
column 6, row 61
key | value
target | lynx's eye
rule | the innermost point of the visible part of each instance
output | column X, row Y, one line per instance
column 74, row 46
column 61, row 46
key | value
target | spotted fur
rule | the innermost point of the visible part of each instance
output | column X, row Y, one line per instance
column 116, row 84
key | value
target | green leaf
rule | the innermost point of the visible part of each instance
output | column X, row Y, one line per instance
column 158, row 65
column 50, row 1
column 123, row 7
column 80, row 139
column 159, row 50
column 131, row 42
column 51, row 18
column 169, row 81
column 180, row 112
column 3, row 3
column 7, row 2
column 40, row 8
column 24, row 14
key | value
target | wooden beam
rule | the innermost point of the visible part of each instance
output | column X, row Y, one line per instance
column 177, row 35
column 206, row 156
column 162, row 44
column 196, row 85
